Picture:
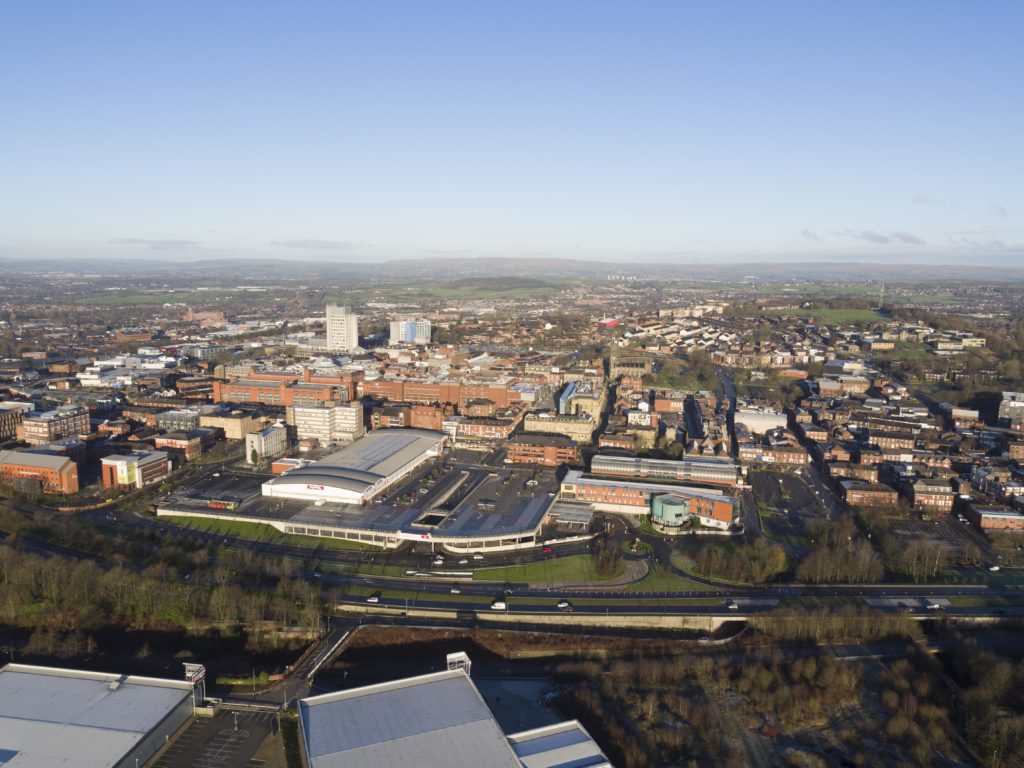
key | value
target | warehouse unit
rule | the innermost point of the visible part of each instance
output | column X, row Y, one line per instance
column 61, row 717
column 438, row 719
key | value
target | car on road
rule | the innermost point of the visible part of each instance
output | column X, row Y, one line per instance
column 455, row 590
column 438, row 560
column 374, row 598
column 704, row 639
column 731, row 605
column 993, row 567
column 546, row 550
column 478, row 556
column 564, row 605
column 499, row 605
column 463, row 561
column 934, row 607
column 216, row 474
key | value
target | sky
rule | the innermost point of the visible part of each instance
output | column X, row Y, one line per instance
column 620, row 131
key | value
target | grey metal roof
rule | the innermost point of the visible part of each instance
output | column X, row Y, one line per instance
column 33, row 459
column 563, row 745
column 433, row 721
column 55, row 717
column 364, row 463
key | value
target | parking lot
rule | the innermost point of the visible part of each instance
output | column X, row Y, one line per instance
column 226, row 740
column 962, row 539
column 786, row 502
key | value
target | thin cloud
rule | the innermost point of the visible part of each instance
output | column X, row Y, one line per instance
column 999, row 211
column 809, row 235
column 869, row 235
column 158, row 245
column 906, row 237
column 992, row 244
column 320, row 245
column 930, row 202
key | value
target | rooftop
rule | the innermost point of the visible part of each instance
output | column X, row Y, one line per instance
column 33, row 459
column 51, row 718
column 431, row 720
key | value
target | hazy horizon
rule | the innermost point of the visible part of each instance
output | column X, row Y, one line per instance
column 661, row 132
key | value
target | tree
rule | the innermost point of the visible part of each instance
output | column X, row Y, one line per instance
column 254, row 457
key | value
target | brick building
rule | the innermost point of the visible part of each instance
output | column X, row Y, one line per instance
column 134, row 470
column 43, row 428
column 543, row 450
column 55, row 474
column 859, row 494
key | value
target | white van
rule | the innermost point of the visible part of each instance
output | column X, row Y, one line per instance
column 499, row 605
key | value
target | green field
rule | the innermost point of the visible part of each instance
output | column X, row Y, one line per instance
column 575, row 569
column 262, row 532
column 171, row 297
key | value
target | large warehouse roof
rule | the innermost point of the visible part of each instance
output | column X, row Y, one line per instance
column 432, row 721
column 383, row 451
column 358, row 467
column 52, row 718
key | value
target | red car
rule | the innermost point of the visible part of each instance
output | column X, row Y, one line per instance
column 547, row 550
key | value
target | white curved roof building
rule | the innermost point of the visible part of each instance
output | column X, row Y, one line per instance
column 361, row 471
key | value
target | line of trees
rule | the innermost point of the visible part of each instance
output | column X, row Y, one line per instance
column 755, row 562
column 840, row 554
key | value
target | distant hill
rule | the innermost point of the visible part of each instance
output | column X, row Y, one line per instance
column 489, row 271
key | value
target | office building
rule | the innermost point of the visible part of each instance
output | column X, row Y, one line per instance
column 235, row 425
column 342, row 329
column 134, row 470
column 178, row 420
column 671, row 505
column 9, row 422
column 410, row 331
column 542, row 450
column 269, row 443
column 43, row 427
column 327, row 424
column 45, row 472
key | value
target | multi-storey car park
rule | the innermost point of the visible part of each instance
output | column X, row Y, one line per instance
column 691, row 469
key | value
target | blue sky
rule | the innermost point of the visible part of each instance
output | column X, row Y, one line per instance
column 646, row 131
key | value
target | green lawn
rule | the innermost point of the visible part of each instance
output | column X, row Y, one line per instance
column 575, row 569
column 262, row 532
column 661, row 580
column 830, row 315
